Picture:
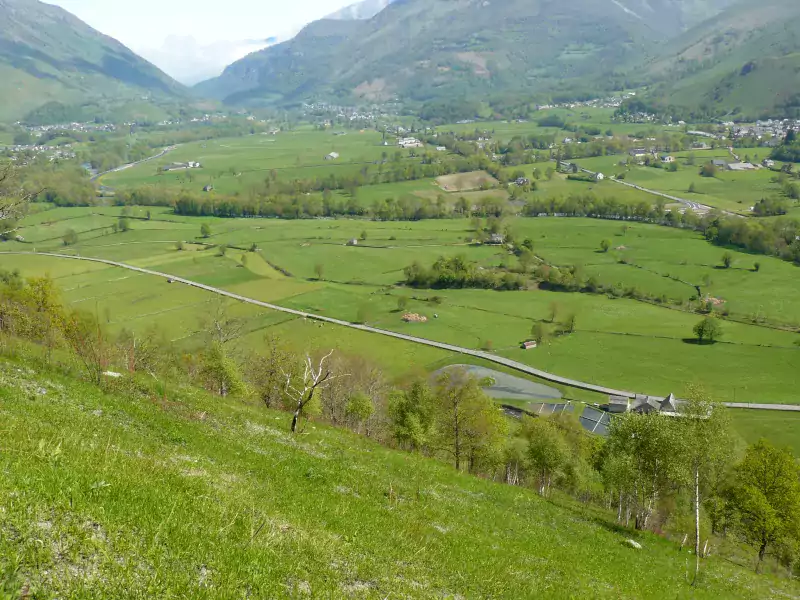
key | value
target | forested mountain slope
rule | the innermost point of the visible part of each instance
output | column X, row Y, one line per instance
column 47, row 54
column 744, row 62
column 422, row 51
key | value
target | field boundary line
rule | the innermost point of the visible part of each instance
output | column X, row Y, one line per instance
column 499, row 360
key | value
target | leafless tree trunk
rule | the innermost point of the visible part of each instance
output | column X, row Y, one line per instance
column 696, row 521
column 302, row 391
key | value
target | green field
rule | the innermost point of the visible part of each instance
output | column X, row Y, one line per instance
column 730, row 191
column 620, row 343
column 235, row 164
column 599, row 117
column 781, row 428
column 199, row 496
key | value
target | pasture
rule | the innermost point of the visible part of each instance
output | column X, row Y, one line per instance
column 727, row 190
column 621, row 343
column 233, row 165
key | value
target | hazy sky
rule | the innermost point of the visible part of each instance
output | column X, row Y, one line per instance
column 195, row 39
column 147, row 23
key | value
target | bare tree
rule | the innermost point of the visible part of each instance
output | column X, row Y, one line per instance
column 13, row 199
column 89, row 342
column 301, row 390
column 219, row 325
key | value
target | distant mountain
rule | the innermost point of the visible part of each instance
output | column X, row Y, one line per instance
column 360, row 11
column 435, row 51
column 743, row 62
column 48, row 55
column 191, row 61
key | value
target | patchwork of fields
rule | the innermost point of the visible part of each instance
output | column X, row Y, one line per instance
column 620, row 343
column 728, row 190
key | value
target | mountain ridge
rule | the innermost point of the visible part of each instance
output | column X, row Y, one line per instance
column 47, row 54
column 419, row 51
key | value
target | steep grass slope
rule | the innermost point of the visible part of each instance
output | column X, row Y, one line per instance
column 133, row 495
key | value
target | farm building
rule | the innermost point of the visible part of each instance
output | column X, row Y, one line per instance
column 746, row 166
column 353, row 242
column 717, row 162
column 409, row 142
column 768, row 163
column 529, row 345
column 208, row 188
column 332, row 156
column 643, row 404
column 182, row 166
column 667, row 159
column 599, row 177
column 496, row 238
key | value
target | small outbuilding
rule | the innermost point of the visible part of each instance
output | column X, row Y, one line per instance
column 353, row 242
column 208, row 188
column 332, row 156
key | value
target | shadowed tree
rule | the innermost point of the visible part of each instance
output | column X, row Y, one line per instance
column 708, row 330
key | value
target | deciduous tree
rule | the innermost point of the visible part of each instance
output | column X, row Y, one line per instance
column 706, row 446
column 708, row 330
column 412, row 413
column 767, row 497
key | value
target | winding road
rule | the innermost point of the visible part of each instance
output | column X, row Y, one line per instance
column 133, row 164
column 695, row 206
column 492, row 358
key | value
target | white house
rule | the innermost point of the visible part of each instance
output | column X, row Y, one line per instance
column 667, row 159
column 599, row 177
column 409, row 142
column 332, row 156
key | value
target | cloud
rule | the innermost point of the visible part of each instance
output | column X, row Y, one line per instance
column 190, row 61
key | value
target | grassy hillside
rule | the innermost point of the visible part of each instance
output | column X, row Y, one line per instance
column 193, row 496
column 48, row 55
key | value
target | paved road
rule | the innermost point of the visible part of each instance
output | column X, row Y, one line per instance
column 499, row 360
column 689, row 203
column 133, row 164
column 508, row 387
column 781, row 407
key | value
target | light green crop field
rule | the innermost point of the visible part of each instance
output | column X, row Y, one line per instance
column 728, row 190
column 619, row 343
column 235, row 164
column 192, row 496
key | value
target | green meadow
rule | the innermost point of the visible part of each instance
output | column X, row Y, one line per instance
column 235, row 164
column 727, row 190
column 306, row 264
